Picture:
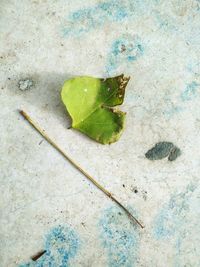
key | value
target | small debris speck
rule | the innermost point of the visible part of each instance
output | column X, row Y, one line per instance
column 144, row 195
column 25, row 84
column 134, row 189
column 40, row 142
column 123, row 48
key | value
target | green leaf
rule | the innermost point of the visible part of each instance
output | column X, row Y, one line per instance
column 90, row 102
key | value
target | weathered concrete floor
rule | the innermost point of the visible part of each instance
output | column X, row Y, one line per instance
column 45, row 203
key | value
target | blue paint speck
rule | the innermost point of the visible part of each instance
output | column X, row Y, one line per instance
column 124, row 50
column 190, row 91
column 120, row 238
column 172, row 110
column 165, row 21
column 193, row 67
column 61, row 246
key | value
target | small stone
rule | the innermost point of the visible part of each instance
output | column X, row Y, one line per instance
column 174, row 154
column 134, row 189
column 162, row 150
column 25, row 84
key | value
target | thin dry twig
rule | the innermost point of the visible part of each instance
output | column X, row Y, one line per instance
column 38, row 255
column 88, row 176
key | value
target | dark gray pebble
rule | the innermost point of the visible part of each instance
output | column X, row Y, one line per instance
column 162, row 150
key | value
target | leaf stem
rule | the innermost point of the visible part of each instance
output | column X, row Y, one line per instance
column 88, row 176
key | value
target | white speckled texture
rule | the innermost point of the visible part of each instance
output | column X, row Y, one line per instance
column 45, row 203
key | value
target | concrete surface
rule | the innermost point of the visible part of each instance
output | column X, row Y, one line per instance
column 45, row 203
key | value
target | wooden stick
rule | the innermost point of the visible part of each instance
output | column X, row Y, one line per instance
column 88, row 176
column 38, row 255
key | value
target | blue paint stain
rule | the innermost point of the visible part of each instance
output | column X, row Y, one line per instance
column 172, row 110
column 61, row 246
column 171, row 222
column 87, row 19
column 190, row 91
column 168, row 220
column 165, row 22
column 124, row 50
column 194, row 67
column 120, row 238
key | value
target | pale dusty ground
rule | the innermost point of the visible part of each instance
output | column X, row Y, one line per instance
column 41, row 192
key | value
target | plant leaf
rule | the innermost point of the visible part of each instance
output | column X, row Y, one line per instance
column 90, row 102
